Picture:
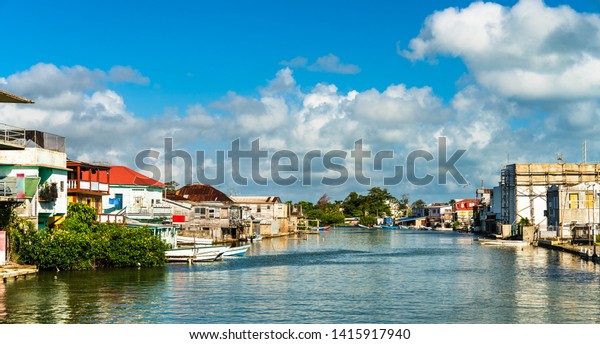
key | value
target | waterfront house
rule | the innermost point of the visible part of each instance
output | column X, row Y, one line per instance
column 572, row 210
column 88, row 183
column 205, row 212
column 522, row 191
column 134, row 195
column 268, row 214
column 33, row 167
column 463, row 210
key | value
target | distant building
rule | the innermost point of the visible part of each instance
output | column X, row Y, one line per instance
column 87, row 183
column 463, row 210
column 205, row 212
column 439, row 214
column 268, row 215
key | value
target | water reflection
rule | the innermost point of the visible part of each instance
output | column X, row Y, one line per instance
column 341, row 276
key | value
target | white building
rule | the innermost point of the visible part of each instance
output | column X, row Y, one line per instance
column 135, row 195
column 33, row 169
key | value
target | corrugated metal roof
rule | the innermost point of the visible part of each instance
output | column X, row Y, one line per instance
column 202, row 193
column 125, row 176
column 256, row 199
column 6, row 97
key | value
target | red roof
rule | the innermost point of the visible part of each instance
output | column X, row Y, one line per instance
column 125, row 176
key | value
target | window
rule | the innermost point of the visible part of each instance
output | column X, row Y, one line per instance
column 573, row 201
column 589, row 201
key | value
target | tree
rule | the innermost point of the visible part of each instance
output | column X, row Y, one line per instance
column 171, row 186
column 323, row 202
column 419, row 204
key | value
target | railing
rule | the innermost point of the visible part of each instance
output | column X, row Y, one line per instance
column 87, row 186
column 12, row 135
column 8, row 189
column 111, row 218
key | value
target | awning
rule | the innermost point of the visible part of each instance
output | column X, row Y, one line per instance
column 6, row 97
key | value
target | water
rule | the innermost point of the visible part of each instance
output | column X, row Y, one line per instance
column 341, row 276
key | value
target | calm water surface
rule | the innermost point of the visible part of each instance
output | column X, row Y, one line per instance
column 341, row 276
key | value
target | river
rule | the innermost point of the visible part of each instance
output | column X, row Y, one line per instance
column 342, row 276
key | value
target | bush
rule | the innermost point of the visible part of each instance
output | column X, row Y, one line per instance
column 80, row 243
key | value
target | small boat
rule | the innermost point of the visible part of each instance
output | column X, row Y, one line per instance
column 363, row 226
column 202, row 253
column 389, row 227
column 323, row 228
column 194, row 240
column 376, row 226
column 238, row 251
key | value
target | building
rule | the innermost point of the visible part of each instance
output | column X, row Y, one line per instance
column 572, row 210
column 523, row 187
column 463, row 210
column 88, row 183
column 268, row 215
column 33, row 169
column 134, row 195
column 439, row 214
column 205, row 212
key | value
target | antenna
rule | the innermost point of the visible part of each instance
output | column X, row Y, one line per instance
column 584, row 151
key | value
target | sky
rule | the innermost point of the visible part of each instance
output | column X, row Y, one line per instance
column 335, row 96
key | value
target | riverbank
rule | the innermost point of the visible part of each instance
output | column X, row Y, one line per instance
column 15, row 271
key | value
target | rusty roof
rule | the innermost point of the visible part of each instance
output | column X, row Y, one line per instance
column 6, row 97
column 202, row 193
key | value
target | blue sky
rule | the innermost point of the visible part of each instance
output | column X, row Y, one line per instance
column 499, row 79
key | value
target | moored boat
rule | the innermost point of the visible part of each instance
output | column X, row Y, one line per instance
column 323, row 228
column 500, row 242
column 196, row 253
column 193, row 240
column 238, row 251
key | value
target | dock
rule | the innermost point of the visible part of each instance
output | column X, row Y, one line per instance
column 14, row 271
column 582, row 251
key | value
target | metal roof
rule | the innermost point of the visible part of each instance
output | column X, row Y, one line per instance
column 202, row 193
column 256, row 199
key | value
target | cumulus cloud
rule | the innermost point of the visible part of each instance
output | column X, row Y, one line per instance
column 529, row 51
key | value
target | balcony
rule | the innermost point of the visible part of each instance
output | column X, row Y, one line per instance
column 83, row 186
column 88, row 178
column 11, row 137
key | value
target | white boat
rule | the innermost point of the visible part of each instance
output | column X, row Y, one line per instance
column 196, row 253
column 193, row 240
column 499, row 242
column 238, row 251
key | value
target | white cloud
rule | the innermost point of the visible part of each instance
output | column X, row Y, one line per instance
column 331, row 64
column 530, row 51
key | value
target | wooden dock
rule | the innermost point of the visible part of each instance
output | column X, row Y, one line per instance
column 14, row 271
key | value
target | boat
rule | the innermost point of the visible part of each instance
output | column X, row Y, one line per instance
column 389, row 227
column 202, row 253
column 376, row 226
column 255, row 237
column 194, row 240
column 238, row 251
column 363, row 226
column 322, row 228
column 500, row 242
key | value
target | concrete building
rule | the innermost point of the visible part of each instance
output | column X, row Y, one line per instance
column 33, row 168
column 523, row 187
column 439, row 214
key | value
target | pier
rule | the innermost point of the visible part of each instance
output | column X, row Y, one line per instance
column 14, row 271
